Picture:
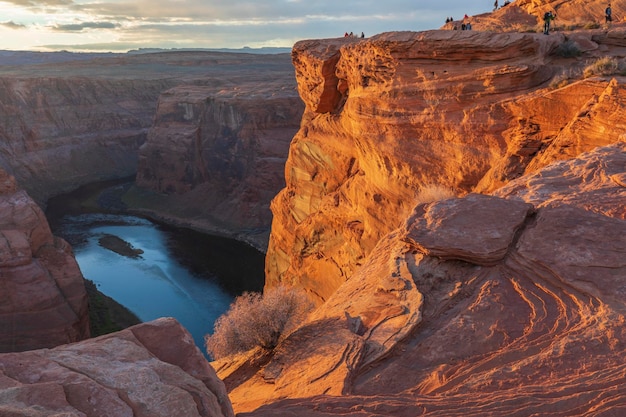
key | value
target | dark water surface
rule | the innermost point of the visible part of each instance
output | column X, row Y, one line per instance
column 180, row 273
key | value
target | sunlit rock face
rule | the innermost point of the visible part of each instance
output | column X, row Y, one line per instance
column 387, row 116
column 216, row 156
column 486, row 304
column 44, row 302
column 527, row 16
column 152, row 369
column 505, row 299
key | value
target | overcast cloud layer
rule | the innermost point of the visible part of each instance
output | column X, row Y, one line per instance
column 117, row 25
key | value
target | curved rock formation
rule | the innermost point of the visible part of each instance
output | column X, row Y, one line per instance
column 152, row 369
column 475, row 306
column 42, row 294
column 391, row 115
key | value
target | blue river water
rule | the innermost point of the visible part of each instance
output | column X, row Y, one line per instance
column 168, row 279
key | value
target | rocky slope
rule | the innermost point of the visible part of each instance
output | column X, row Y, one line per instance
column 42, row 294
column 507, row 302
column 527, row 15
column 391, row 115
column 152, row 369
column 483, row 305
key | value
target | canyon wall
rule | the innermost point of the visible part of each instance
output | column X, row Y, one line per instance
column 58, row 132
column 215, row 159
column 389, row 116
column 44, row 302
column 506, row 299
column 216, row 128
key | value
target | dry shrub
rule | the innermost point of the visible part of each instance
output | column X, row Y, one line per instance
column 256, row 319
column 432, row 192
column 559, row 81
column 591, row 25
column 568, row 49
column 602, row 66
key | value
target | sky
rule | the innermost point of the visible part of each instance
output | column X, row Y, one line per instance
column 122, row 25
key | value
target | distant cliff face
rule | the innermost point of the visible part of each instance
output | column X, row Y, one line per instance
column 57, row 133
column 218, row 126
column 44, row 302
column 216, row 157
column 388, row 116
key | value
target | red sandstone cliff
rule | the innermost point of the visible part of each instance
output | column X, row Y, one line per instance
column 215, row 155
column 387, row 116
column 43, row 297
column 507, row 302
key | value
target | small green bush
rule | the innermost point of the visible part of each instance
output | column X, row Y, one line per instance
column 257, row 320
column 568, row 49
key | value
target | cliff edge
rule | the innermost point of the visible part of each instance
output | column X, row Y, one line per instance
column 504, row 299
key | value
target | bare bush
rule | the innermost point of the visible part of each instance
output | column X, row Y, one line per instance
column 257, row 320
column 432, row 192
column 559, row 81
column 602, row 66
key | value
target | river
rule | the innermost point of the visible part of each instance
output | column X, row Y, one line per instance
column 170, row 272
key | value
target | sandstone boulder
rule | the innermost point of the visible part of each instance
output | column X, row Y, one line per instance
column 152, row 369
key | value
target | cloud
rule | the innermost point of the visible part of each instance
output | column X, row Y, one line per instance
column 77, row 27
column 38, row 4
column 12, row 25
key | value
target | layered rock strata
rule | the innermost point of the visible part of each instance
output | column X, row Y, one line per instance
column 152, row 369
column 475, row 305
column 217, row 145
column 43, row 297
column 215, row 158
column 390, row 116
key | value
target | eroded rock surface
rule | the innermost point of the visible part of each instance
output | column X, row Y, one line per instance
column 43, row 298
column 152, row 369
column 468, row 111
column 215, row 155
column 531, row 307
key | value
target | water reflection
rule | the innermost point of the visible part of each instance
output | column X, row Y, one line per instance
column 155, row 284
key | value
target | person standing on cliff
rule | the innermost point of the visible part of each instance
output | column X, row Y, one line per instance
column 495, row 6
column 547, row 18
column 608, row 14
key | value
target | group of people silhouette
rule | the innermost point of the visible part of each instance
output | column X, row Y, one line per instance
column 465, row 24
column 352, row 35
